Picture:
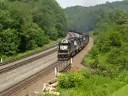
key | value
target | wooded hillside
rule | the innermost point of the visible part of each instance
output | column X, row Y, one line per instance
column 85, row 18
column 106, row 66
column 28, row 24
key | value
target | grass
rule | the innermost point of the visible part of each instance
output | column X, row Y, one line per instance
column 95, row 85
column 20, row 55
column 107, row 86
column 101, row 58
column 121, row 92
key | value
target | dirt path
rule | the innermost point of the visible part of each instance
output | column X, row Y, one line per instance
column 37, row 86
column 79, row 57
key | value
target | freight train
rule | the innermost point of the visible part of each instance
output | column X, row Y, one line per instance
column 69, row 47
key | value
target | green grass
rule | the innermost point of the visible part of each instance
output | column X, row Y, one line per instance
column 20, row 55
column 101, row 58
column 100, row 85
column 95, row 85
column 121, row 92
column 88, row 60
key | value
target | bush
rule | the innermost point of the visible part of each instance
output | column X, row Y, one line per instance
column 94, row 52
column 53, row 35
column 9, row 42
column 70, row 80
column 118, row 57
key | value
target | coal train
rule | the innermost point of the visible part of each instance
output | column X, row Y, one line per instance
column 69, row 47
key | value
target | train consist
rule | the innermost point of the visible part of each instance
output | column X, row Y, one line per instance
column 69, row 47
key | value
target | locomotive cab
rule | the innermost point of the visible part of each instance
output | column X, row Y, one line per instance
column 64, row 50
column 71, row 46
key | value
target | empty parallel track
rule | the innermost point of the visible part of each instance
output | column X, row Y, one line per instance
column 27, row 61
column 30, row 57
column 29, row 80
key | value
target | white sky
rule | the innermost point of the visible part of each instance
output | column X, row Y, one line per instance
column 67, row 3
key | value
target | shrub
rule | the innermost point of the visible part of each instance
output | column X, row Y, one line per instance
column 70, row 80
column 9, row 42
column 94, row 52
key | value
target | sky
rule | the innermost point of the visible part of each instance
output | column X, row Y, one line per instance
column 68, row 3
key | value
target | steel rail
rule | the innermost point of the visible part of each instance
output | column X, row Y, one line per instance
column 22, row 63
column 28, row 81
column 34, row 53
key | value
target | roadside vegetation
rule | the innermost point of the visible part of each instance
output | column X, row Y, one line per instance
column 29, row 24
column 107, row 63
column 30, row 52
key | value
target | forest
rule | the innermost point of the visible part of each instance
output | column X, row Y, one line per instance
column 84, row 19
column 28, row 24
column 106, row 66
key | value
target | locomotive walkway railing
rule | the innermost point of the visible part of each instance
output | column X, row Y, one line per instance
column 63, row 66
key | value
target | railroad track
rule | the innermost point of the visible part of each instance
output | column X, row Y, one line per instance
column 71, row 34
column 27, row 61
column 28, row 81
column 12, row 69
column 34, row 53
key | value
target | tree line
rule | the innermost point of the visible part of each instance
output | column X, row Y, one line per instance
column 84, row 19
column 28, row 24
column 110, row 52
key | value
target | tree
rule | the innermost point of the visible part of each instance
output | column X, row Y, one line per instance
column 32, row 24
column 9, row 42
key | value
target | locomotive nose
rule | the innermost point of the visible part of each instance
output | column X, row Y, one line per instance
column 63, row 56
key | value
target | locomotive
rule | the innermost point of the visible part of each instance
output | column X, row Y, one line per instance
column 71, row 46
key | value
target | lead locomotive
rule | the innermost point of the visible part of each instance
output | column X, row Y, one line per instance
column 71, row 46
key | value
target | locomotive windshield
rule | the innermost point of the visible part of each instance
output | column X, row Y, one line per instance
column 63, row 47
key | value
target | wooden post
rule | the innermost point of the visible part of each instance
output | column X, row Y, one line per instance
column 71, row 62
column 55, row 71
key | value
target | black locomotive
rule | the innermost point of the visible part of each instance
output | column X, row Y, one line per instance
column 71, row 46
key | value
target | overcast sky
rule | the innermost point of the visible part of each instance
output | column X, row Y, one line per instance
column 67, row 3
